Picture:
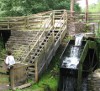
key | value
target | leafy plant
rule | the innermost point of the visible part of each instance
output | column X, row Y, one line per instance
column 26, row 7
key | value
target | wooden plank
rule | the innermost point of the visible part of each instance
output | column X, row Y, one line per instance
column 36, row 72
column 82, row 58
column 12, row 81
column 23, row 86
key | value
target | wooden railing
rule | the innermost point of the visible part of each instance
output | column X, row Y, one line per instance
column 56, row 21
column 47, row 52
column 24, row 22
column 92, row 17
column 37, row 40
column 47, row 26
column 49, row 22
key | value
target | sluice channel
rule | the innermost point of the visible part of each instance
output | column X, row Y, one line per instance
column 73, row 75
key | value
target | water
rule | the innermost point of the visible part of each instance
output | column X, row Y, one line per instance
column 69, row 84
column 70, row 64
column 73, row 60
column 78, row 39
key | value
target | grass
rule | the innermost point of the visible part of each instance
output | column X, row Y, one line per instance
column 4, row 79
column 2, row 49
column 49, row 79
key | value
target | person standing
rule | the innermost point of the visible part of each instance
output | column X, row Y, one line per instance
column 10, row 61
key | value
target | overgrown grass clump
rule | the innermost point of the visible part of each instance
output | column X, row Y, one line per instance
column 49, row 80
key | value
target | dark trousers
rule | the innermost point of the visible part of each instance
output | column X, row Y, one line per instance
column 8, row 73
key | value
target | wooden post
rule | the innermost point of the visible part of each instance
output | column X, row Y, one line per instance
column 12, row 78
column 82, row 58
column 72, row 8
column 86, row 11
column 52, row 22
column 65, row 18
column 26, row 22
column 99, row 27
column 52, row 19
column 79, row 77
column 36, row 71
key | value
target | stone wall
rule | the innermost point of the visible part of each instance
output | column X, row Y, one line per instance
column 80, row 27
column 75, row 27
column 94, row 81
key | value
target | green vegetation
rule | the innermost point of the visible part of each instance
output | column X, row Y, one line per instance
column 4, row 79
column 95, row 7
column 2, row 49
column 49, row 80
column 26, row 7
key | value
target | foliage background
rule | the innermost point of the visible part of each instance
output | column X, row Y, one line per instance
column 26, row 7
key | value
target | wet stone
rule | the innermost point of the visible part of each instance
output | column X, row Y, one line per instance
column 94, row 81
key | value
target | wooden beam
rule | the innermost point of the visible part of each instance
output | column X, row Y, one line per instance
column 12, row 82
column 72, row 7
column 86, row 11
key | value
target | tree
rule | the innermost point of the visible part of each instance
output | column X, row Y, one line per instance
column 26, row 7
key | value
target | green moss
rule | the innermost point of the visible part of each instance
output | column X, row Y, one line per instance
column 49, row 79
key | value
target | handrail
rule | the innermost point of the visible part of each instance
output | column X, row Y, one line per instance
column 16, row 20
column 37, row 39
column 91, row 16
column 24, row 20
column 60, row 22
column 43, row 26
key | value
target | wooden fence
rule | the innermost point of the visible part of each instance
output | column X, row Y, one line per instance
column 19, row 76
column 92, row 17
column 24, row 22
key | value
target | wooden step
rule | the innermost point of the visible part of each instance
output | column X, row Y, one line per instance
column 31, row 69
column 31, row 73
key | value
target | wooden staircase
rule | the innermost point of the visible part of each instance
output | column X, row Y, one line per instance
column 37, row 46
column 19, row 42
column 40, row 50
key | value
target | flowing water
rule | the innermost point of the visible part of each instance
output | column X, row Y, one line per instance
column 73, row 60
column 69, row 81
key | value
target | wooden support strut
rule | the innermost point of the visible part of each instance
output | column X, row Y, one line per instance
column 36, row 71
column 12, row 82
column 82, row 58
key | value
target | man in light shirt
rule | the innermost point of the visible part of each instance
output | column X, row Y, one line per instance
column 10, row 61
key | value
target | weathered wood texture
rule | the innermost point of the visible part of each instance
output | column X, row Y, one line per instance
column 47, row 48
column 35, row 22
column 18, row 75
column 37, row 49
column 92, row 17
